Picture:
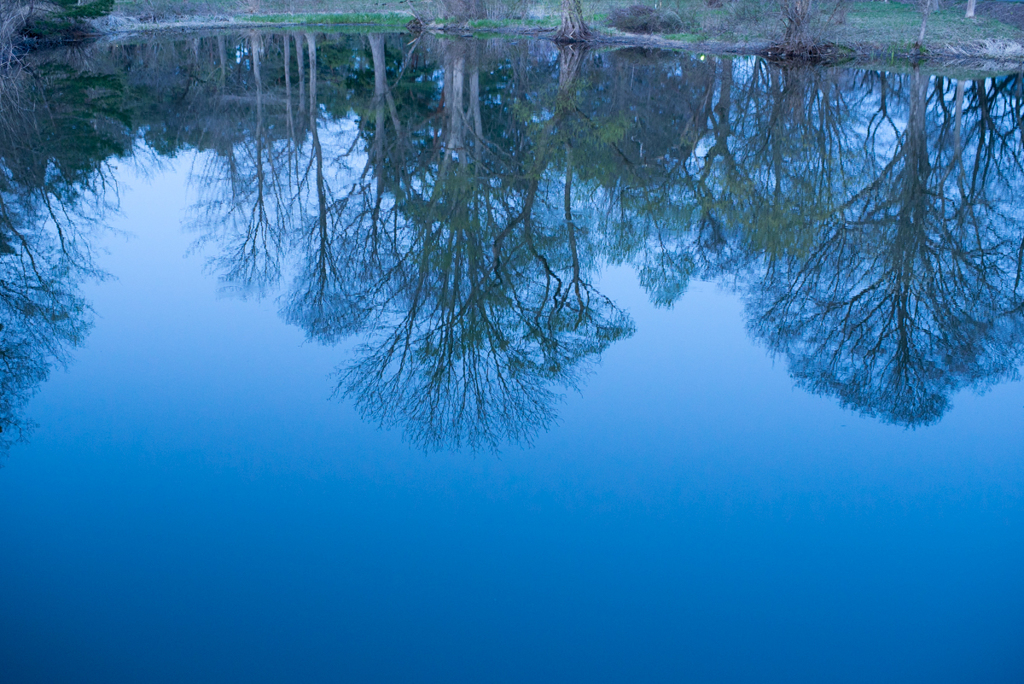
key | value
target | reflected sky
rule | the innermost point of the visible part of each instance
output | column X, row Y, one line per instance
column 727, row 491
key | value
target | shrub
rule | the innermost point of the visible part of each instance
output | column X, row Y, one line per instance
column 644, row 19
column 59, row 19
column 809, row 26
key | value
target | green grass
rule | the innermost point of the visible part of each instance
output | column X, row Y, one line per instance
column 167, row 10
column 356, row 18
column 545, row 22
column 870, row 27
column 892, row 24
column 687, row 37
column 878, row 28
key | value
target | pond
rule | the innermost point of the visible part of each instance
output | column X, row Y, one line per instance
column 361, row 357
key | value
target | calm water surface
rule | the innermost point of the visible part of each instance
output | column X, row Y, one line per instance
column 362, row 358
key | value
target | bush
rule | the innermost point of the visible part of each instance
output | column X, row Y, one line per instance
column 809, row 26
column 61, row 19
column 644, row 19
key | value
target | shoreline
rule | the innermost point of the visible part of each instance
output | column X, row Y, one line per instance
column 985, row 56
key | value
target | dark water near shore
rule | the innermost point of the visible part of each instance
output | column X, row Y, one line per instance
column 366, row 358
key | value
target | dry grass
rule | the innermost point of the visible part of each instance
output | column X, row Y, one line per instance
column 13, row 15
column 1001, row 50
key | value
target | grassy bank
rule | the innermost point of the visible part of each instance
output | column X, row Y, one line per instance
column 867, row 29
column 387, row 19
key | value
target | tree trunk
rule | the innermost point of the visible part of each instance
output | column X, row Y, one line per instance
column 970, row 8
column 925, row 7
column 573, row 29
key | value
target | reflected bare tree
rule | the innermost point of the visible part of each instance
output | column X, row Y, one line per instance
column 474, row 299
column 894, row 284
column 451, row 204
column 58, row 126
column 479, row 296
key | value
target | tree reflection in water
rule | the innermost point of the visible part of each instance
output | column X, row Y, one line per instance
column 866, row 219
column 461, row 266
column 58, row 126
column 451, row 205
column 907, row 289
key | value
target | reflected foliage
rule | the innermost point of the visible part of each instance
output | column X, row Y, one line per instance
column 904, row 287
column 451, row 204
column 384, row 180
column 445, row 209
column 58, row 126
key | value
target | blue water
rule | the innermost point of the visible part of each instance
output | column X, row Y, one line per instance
column 194, row 506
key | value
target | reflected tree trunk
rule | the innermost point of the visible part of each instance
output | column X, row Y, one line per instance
column 302, row 78
column 570, row 59
column 454, row 107
column 381, row 91
column 958, row 116
column 474, row 101
column 321, row 185
column 720, row 123
column 289, row 122
column 223, row 57
column 260, row 221
column 380, row 95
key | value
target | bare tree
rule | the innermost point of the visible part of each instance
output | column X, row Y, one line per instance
column 55, row 137
column 925, row 7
